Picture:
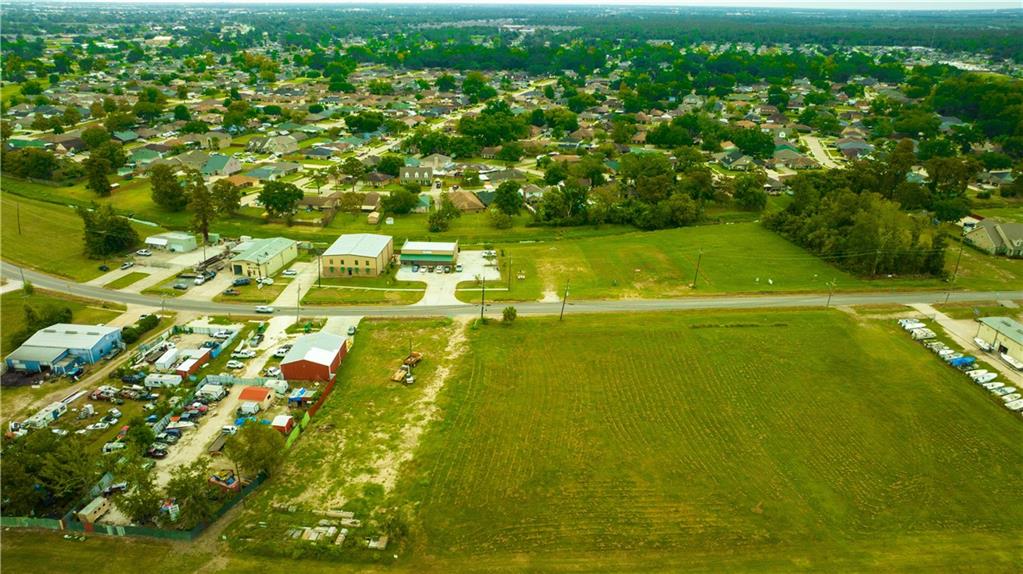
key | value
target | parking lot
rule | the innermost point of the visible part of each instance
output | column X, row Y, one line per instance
column 440, row 287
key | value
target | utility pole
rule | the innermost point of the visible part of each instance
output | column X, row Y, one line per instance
column 22, row 270
column 563, row 301
column 319, row 267
column 298, row 302
column 696, row 275
column 509, row 273
column 831, row 291
column 19, row 218
column 955, row 272
column 483, row 299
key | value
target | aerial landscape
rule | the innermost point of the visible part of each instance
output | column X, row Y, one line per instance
column 433, row 287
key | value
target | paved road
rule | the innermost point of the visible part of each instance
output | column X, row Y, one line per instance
column 819, row 153
column 532, row 308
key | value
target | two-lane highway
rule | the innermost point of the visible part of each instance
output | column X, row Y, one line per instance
column 52, row 283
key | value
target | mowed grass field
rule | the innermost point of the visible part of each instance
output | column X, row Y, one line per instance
column 50, row 238
column 776, row 441
column 84, row 311
column 739, row 258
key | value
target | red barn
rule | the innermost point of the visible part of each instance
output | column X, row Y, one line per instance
column 314, row 357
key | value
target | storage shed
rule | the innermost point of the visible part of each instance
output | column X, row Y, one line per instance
column 94, row 510
column 259, row 395
column 283, row 423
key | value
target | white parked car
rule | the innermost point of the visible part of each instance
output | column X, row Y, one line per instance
column 265, row 281
column 243, row 354
column 235, row 365
column 97, row 426
column 229, row 429
column 222, row 334
column 289, row 273
column 273, row 372
column 144, row 252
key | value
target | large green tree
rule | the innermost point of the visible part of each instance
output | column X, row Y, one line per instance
column 166, row 189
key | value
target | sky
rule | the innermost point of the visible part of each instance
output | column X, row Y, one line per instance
column 817, row 4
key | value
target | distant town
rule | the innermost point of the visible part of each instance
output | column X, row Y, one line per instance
column 534, row 288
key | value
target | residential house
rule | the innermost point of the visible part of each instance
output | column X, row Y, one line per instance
column 220, row 164
column 997, row 238
column 420, row 175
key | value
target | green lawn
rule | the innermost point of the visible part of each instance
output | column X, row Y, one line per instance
column 50, row 238
column 126, row 280
column 166, row 287
column 83, row 311
column 341, row 296
column 739, row 258
column 255, row 293
column 806, row 439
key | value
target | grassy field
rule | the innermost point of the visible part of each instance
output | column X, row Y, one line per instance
column 84, row 311
column 126, row 280
column 384, row 289
column 355, row 445
column 729, row 441
column 983, row 309
column 255, row 293
column 50, row 238
column 779, row 441
column 742, row 258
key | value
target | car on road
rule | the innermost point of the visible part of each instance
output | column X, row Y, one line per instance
column 264, row 309
column 144, row 252
column 127, row 265
column 289, row 273
column 351, row 330
column 243, row 354
column 235, row 365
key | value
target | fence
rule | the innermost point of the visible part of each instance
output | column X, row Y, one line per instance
column 72, row 525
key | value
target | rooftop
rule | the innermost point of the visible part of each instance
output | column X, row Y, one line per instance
column 430, row 246
column 361, row 244
column 317, row 348
column 1005, row 326
column 261, row 250
column 69, row 336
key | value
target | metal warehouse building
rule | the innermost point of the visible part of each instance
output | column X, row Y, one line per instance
column 429, row 253
column 314, row 357
column 357, row 255
column 1004, row 334
column 263, row 257
column 62, row 346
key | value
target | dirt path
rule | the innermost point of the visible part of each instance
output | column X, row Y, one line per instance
column 423, row 412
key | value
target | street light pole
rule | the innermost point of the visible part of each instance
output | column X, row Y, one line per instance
column 483, row 299
column 298, row 302
column 831, row 291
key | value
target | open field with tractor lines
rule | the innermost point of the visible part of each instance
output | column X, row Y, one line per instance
column 765, row 441
column 798, row 440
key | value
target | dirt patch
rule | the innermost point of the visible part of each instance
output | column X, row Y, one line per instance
column 423, row 412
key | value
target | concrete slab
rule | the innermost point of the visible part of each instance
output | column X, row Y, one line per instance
column 440, row 287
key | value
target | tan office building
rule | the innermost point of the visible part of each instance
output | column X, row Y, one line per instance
column 357, row 255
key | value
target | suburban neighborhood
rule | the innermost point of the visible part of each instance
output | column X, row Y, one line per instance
column 510, row 288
